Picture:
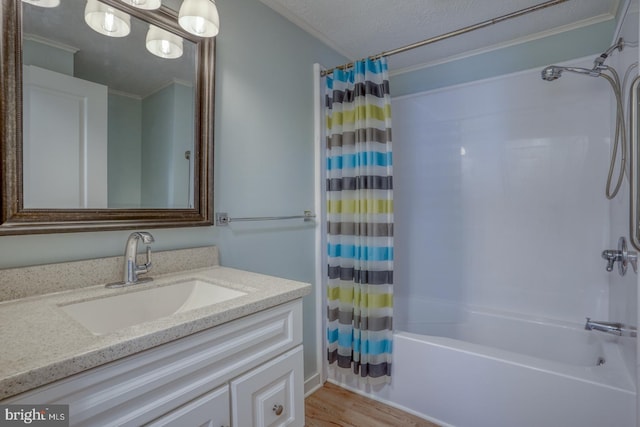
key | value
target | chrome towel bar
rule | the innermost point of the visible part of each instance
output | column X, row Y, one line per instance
column 222, row 218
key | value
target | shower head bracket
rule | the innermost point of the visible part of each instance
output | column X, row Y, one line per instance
column 599, row 61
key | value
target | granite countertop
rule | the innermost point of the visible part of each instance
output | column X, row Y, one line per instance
column 40, row 343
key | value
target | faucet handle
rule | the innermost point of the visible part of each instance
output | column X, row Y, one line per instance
column 622, row 256
column 144, row 268
column 146, row 237
column 611, row 256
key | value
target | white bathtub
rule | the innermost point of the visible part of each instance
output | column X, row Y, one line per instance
column 485, row 369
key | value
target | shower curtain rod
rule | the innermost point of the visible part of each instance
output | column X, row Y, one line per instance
column 453, row 33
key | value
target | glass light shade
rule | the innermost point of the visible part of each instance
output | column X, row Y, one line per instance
column 43, row 3
column 164, row 44
column 199, row 17
column 144, row 4
column 106, row 20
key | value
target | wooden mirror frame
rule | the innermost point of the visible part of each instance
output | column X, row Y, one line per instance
column 15, row 219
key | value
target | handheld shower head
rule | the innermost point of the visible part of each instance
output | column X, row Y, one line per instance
column 553, row 72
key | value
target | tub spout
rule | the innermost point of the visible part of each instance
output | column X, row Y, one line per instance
column 614, row 328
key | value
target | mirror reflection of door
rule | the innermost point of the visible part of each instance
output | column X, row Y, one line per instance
column 129, row 153
column 65, row 141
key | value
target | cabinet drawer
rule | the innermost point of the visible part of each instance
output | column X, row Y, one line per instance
column 139, row 388
column 212, row 409
column 270, row 395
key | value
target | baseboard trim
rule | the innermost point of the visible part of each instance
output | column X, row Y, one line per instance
column 312, row 384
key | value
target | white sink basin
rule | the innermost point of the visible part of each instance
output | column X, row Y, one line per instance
column 109, row 314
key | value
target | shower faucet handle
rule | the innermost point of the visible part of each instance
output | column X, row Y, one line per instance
column 611, row 256
column 623, row 256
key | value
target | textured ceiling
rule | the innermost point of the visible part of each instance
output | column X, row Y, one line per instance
column 361, row 28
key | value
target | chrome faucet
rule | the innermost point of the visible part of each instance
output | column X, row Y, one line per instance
column 614, row 328
column 622, row 256
column 131, row 269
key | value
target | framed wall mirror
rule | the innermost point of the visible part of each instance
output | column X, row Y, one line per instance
column 103, row 128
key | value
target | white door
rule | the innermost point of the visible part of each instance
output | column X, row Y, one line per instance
column 65, row 141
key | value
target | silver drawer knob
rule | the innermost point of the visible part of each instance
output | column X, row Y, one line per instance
column 278, row 409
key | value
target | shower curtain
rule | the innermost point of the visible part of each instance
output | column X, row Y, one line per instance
column 360, row 220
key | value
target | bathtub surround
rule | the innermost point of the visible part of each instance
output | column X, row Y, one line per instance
column 504, row 178
column 505, row 175
column 360, row 220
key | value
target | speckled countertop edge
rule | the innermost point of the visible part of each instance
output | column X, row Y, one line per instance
column 41, row 344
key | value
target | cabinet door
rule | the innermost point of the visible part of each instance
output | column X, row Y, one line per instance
column 272, row 394
column 209, row 410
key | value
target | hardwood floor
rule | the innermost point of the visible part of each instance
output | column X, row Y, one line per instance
column 334, row 406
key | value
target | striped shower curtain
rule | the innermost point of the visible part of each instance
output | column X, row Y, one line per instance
column 360, row 220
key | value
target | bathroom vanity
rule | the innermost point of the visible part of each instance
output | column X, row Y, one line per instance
column 234, row 362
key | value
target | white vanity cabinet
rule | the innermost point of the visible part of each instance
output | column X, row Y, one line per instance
column 247, row 372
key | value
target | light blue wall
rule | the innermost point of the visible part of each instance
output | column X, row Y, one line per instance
column 589, row 40
column 264, row 160
column 157, row 140
column 180, row 186
column 147, row 141
column 124, row 151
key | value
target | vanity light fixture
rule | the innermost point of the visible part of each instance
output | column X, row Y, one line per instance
column 144, row 4
column 43, row 3
column 164, row 44
column 106, row 19
column 199, row 17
